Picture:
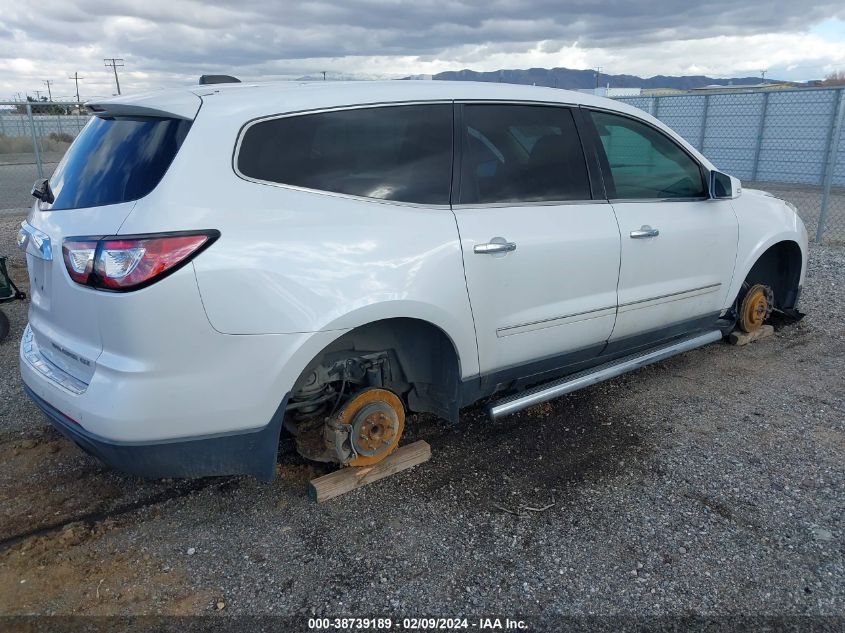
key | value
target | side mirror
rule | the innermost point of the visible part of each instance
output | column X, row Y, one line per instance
column 723, row 186
column 41, row 190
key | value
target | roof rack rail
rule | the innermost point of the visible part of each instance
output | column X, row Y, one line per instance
column 218, row 79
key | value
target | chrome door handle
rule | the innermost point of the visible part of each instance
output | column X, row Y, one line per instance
column 645, row 231
column 494, row 247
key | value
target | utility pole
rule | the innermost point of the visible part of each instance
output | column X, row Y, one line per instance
column 38, row 95
column 598, row 74
column 763, row 76
column 49, row 92
column 76, row 78
column 114, row 63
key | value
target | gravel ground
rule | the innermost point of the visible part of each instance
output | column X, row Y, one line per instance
column 709, row 484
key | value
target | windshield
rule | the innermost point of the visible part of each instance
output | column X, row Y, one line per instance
column 116, row 160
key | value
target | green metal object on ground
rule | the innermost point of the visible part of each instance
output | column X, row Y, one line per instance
column 8, row 289
column 8, row 292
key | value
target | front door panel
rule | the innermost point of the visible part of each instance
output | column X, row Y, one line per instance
column 679, row 274
column 678, row 246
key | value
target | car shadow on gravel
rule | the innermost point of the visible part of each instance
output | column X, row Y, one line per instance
column 535, row 454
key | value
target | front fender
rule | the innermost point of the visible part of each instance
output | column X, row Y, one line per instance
column 763, row 222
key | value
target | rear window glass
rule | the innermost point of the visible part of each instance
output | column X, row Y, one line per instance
column 401, row 153
column 116, row 160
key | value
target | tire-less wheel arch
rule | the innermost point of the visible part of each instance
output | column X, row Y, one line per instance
column 424, row 366
column 779, row 268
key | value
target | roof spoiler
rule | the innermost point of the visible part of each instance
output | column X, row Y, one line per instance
column 180, row 105
column 218, row 79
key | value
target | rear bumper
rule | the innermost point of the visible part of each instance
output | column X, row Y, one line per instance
column 250, row 453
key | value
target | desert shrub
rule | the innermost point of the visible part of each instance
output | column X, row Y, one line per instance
column 62, row 137
column 15, row 144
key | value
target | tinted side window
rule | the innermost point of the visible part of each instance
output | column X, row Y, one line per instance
column 401, row 153
column 516, row 153
column 116, row 160
column 645, row 163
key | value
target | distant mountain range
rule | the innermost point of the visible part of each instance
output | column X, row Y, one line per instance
column 575, row 79
column 559, row 78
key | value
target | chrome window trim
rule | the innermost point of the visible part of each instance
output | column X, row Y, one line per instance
column 652, row 200
column 348, row 196
column 336, row 194
column 531, row 102
column 529, row 203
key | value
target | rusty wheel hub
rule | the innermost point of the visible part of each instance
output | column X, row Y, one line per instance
column 756, row 308
column 377, row 418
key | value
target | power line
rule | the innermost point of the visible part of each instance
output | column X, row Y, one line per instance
column 114, row 63
column 49, row 92
column 76, row 79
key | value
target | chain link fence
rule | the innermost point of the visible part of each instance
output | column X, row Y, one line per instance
column 787, row 142
column 33, row 138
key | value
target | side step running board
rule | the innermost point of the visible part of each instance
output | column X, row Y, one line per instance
column 549, row 391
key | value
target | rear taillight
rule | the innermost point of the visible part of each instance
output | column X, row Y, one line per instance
column 131, row 262
column 79, row 258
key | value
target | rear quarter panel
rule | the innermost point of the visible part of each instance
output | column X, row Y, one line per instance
column 291, row 261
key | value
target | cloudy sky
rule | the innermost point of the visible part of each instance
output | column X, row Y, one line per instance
column 168, row 42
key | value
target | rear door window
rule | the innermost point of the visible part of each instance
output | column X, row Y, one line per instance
column 521, row 153
column 116, row 160
column 401, row 153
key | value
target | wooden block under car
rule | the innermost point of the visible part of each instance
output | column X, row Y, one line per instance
column 346, row 479
column 738, row 337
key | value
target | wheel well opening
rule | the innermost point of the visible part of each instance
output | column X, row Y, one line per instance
column 780, row 269
column 414, row 358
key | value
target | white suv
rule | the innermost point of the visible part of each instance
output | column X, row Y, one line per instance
column 211, row 264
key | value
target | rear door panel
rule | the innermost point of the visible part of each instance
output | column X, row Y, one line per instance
column 555, row 293
column 525, row 179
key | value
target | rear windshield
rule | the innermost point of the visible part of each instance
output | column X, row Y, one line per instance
column 116, row 160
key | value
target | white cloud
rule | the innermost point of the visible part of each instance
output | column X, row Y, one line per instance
column 167, row 42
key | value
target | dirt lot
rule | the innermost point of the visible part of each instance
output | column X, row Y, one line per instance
column 709, row 484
